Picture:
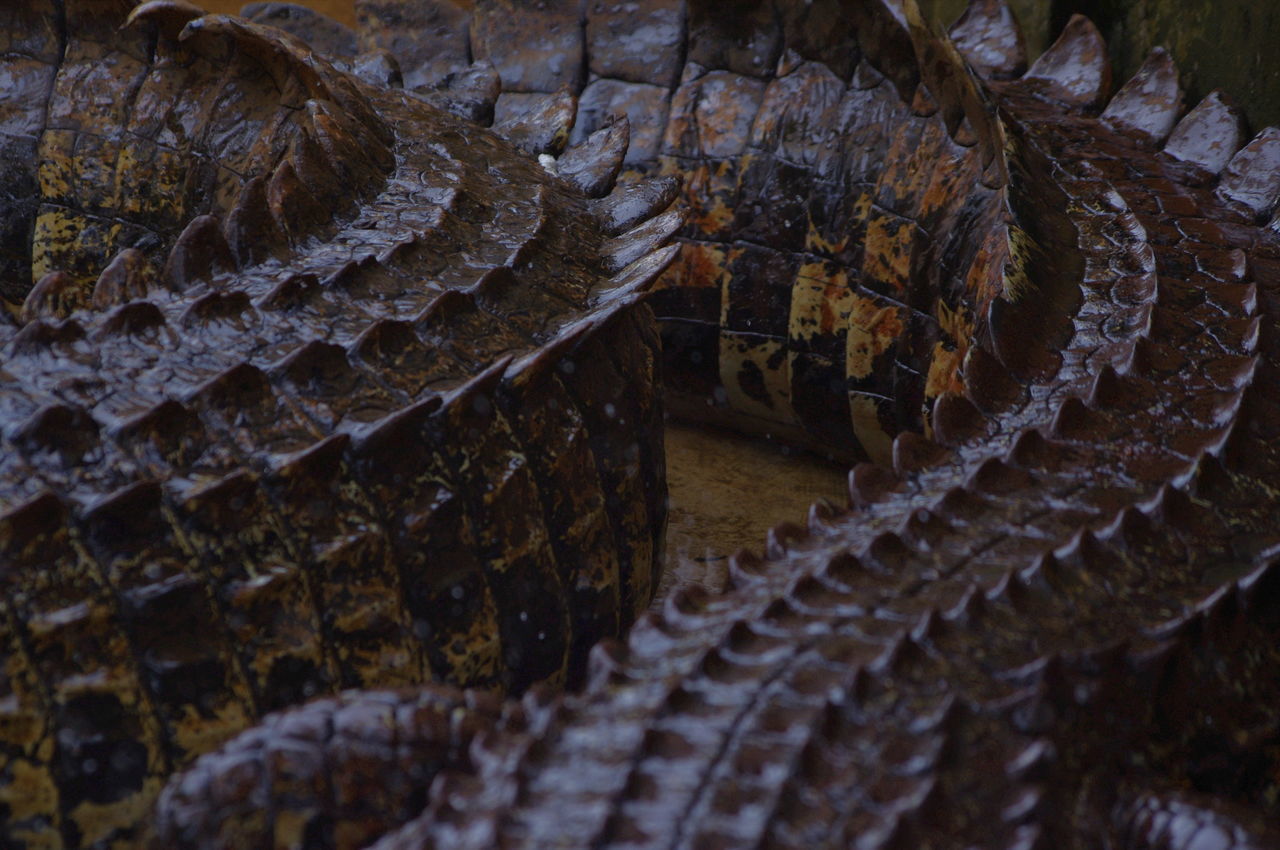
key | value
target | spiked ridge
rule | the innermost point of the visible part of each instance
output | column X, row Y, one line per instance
column 1041, row 311
column 308, row 401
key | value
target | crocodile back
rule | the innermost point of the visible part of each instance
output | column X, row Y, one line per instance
column 1046, row 614
column 1029, row 630
column 847, row 231
column 311, row 386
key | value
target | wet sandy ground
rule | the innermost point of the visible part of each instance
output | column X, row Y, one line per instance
column 727, row 491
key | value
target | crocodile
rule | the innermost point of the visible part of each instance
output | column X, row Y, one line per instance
column 1035, row 314
column 308, row 384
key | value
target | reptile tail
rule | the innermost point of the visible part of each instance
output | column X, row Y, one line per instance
column 1050, row 588
column 308, row 385
column 1081, row 533
column 850, row 230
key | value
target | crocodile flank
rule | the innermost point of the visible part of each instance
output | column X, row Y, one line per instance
column 311, row 386
column 340, row 373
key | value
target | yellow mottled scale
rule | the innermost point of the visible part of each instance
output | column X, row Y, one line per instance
column 55, row 168
column 756, row 375
column 94, row 163
column 700, row 265
column 956, row 179
column 542, row 414
column 822, row 298
column 262, row 591
column 520, row 567
column 65, row 238
column 28, row 790
column 843, row 238
column 916, row 201
column 710, row 191
column 76, row 160
column 875, row 259
column 451, row 607
column 886, row 261
column 876, row 328
column 185, row 653
column 948, row 353
column 106, row 746
column 55, row 236
column 985, row 279
column 821, row 301
column 892, row 227
column 149, row 181
column 354, row 577
column 873, row 340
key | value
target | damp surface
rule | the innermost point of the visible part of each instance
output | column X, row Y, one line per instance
column 727, row 491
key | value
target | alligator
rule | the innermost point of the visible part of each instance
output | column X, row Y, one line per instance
column 1033, row 313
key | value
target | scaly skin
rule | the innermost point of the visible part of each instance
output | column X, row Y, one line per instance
column 831, row 261
column 309, row 386
column 1052, row 623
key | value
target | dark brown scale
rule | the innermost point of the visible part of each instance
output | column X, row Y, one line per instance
column 793, row 294
column 397, row 440
column 265, row 418
column 1055, row 631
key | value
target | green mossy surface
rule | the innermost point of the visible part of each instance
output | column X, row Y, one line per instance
column 1233, row 45
column 1226, row 44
